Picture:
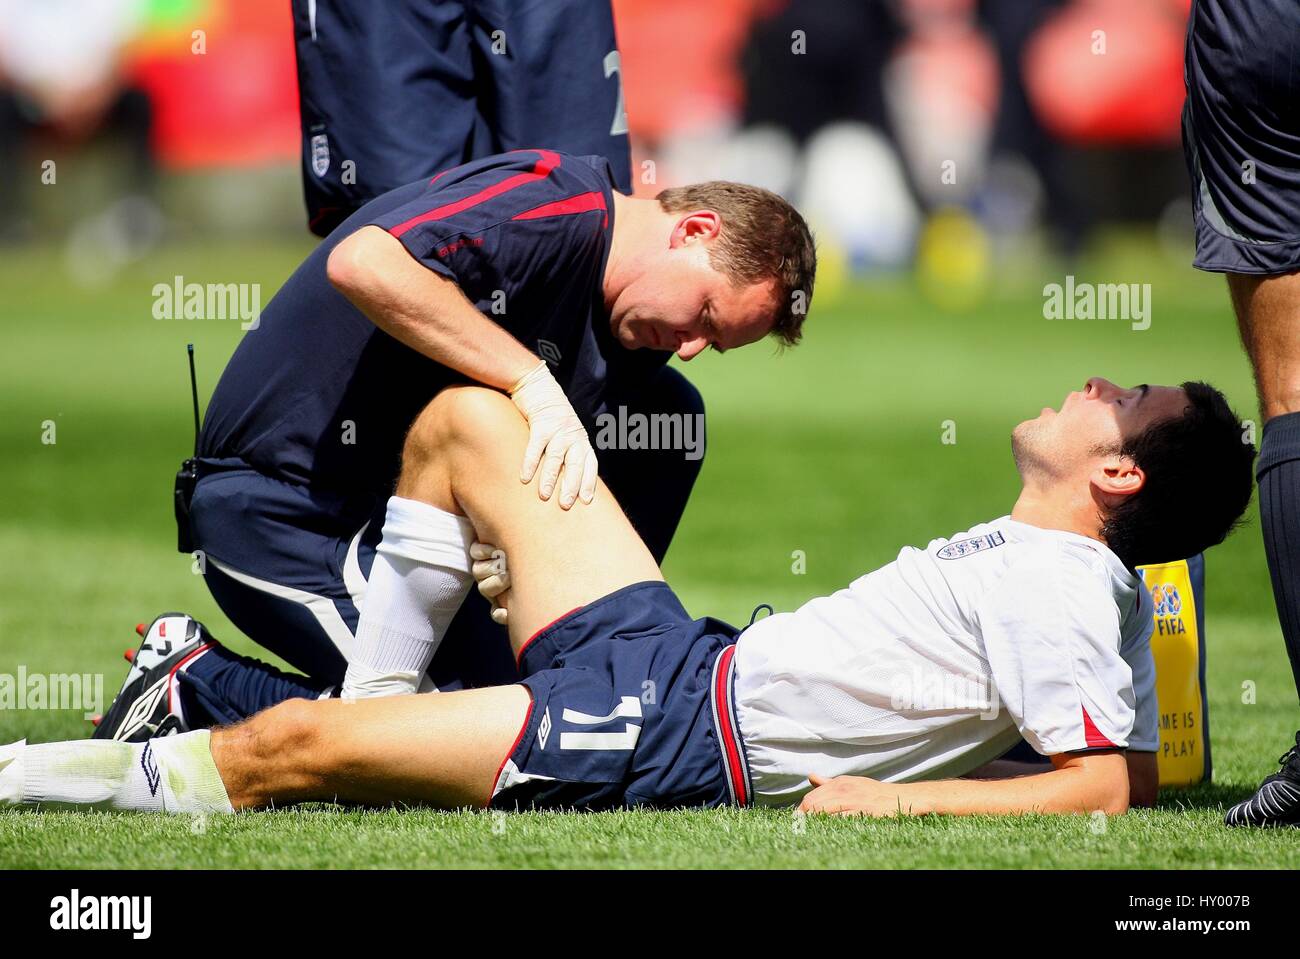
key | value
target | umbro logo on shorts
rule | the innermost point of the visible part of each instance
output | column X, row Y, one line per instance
column 544, row 729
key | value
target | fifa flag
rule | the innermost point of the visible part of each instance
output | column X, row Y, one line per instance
column 1178, row 644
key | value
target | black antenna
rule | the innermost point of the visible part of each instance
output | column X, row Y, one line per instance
column 188, row 475
column 194, row 392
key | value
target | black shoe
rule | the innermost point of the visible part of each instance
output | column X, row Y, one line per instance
column 145, row 707
column 1277, row 803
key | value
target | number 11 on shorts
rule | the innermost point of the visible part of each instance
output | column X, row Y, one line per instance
column 628, row 708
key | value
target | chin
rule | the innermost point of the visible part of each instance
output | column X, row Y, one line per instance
column 1025, row 441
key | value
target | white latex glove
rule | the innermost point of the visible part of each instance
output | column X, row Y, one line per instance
column 556, row 440
column 492, row 574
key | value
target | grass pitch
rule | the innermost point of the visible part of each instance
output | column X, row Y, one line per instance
column 831, row 452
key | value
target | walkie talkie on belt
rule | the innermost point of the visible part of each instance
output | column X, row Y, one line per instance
column 188, row 475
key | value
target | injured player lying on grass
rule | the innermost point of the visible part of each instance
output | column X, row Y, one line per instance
column 847, row 705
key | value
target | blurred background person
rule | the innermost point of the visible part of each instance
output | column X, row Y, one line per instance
column 62, row 87
column 396, row 91
column 945, row 135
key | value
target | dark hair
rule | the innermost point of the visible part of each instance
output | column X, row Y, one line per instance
column 762, row 238
column 1198, row 483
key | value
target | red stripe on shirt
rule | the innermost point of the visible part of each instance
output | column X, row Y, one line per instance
column 1092, row 735
column 582, row 203
column 547, row 161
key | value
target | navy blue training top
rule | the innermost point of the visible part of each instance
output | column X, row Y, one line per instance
column 318, row 395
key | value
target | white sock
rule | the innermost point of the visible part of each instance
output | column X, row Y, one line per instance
column 420, row 578
column 171, row 774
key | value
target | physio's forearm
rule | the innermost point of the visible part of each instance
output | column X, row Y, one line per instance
column 425, row 311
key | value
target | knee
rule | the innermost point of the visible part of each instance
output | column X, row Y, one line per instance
column 688, row 401
column 678, row 394
column 673, row 393
column 288, row 734
column 290, row 728
column 273, row 756
column 458, row 417
column 667, row 391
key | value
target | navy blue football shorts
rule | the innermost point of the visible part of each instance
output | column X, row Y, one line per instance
column 632, row 705
column 1241, row 134
column 391, row 91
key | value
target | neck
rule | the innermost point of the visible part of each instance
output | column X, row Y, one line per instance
column 1057, row 506
column 636, row 222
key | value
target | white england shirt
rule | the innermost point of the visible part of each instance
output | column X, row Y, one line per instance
column 938, row 662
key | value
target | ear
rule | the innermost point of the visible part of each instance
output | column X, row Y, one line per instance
column 1116, row 478
column 698, row 225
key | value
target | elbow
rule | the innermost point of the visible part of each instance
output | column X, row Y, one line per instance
column 1097, row 783
column 1105, row 798
column 1100, row 784
column 1113, row 795
column 343, row 268
column 1116, row 804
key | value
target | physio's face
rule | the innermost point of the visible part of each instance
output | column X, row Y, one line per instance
column 1098, row 417
column 681, row 304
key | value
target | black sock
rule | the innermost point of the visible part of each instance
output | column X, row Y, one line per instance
column 1278, row 473
column 221, row 687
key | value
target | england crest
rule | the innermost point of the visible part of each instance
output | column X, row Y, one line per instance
column 968, row 547
column 320, row 154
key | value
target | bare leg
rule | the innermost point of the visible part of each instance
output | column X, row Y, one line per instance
column 444, row 749
column 462, row 455
column 1268, row 317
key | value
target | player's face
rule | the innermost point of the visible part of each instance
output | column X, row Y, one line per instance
column 1098, row 417
column 681, row 304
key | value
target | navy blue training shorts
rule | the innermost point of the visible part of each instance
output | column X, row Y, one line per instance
column 631, row 706
column 1241, row 134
